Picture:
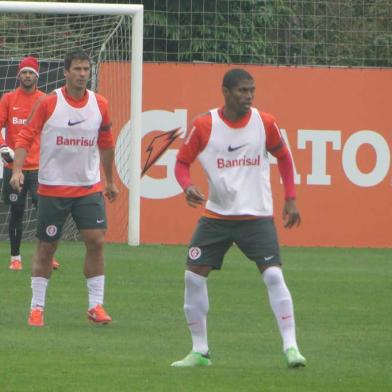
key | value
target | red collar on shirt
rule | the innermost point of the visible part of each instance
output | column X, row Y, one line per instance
column 78, row 102
column 240, row 123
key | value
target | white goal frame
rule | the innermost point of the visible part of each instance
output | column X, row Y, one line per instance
column 136, row 12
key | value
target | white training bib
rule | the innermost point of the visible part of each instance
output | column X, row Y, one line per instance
column 69, row 150
column 236, row 162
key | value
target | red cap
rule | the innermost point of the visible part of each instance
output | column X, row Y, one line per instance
column 29, row 63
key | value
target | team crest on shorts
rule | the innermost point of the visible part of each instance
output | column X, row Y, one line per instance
column 194, row 253
column 13, row 197
column 51, row 230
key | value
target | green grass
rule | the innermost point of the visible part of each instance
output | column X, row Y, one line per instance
column 342, row 299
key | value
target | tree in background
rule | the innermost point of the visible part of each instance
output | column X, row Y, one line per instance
column 280, row 32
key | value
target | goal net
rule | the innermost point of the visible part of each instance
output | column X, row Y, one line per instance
column 107, row 33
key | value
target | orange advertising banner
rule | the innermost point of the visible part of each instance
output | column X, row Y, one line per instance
column 336, row 122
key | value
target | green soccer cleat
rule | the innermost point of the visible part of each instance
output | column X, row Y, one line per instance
column 193, row 359
column 294, row 358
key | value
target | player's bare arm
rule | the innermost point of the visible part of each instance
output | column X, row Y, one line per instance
column 107, row 158
column 111, row 191
column 193, row 196
column 17, row 178
column 291, row 216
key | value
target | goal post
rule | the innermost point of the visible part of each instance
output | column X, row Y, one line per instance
column 99, row 46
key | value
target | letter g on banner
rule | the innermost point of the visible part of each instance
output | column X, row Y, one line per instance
column 153, row 120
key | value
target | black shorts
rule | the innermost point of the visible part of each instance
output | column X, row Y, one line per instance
column 212, row 238
column 12, row 197
column 88, row 212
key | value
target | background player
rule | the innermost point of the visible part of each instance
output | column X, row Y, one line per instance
column 15, row 108
column 232, row 144
column 75, row 129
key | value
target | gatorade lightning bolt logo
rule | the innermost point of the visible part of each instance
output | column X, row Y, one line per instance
column 158, row 146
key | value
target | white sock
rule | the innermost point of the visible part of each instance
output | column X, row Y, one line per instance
column 18, row 257
column 95, row 286
column 38, row 286
column 196, row 308
column 281, row 304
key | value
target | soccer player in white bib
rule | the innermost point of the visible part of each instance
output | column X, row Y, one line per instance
column 231, row 144
column 75, row 130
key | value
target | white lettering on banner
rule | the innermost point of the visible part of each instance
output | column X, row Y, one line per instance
column 153, row 120
column 349, row 158
column 319, row 141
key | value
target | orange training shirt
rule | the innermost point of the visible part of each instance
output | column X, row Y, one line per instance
column 15, row 108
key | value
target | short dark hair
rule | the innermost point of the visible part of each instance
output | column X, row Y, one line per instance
column 232, row 77
column 75, row 54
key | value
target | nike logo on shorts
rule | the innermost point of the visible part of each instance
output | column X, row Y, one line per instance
column 100, row 220
column 268, row 258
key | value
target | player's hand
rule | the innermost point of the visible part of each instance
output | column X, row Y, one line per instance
column 111, row 192
column 291, row 216
column 193, row 196
column 17, row 181
column 7, row 154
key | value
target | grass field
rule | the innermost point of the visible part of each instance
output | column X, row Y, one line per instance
column 342, row 299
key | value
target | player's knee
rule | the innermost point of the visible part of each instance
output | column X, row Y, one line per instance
column 188, row 308
column 16, row 224
column 196, row 309
column 95, row 243
column 16, row 218
column 46, row 250
column 273, row 276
